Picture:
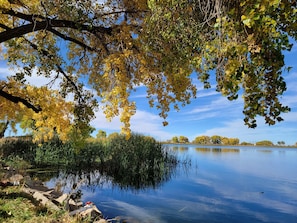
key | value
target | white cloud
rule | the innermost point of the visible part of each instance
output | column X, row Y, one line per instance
column 142, row 122
column 216, row 107
column 34, row 79
column 100, row 122
column 5, row 72
column 206, row 93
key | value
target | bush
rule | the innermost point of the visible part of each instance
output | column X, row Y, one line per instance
column 264, row 143
column 54, row 153
column 18, row 147
column 58, row 153
column 90, row 155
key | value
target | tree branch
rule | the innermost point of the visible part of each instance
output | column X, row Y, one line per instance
column 59, row 68
column 17, row 99
column 63, row 36
column 41, row 23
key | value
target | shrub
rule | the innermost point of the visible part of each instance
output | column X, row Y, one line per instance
column 264, row 143
column 18, row 147
column 53, row 153
column 58, row 153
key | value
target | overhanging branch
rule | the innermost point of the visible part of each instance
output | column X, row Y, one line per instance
column 41, row 23
column 65, row 37
column 16, row 99
column 59, row 68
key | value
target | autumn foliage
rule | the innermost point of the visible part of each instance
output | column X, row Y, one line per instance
column 98, row 53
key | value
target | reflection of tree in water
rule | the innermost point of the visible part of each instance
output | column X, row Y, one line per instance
column 175, row 148
column 203, row 150
column 265, row 150
column 217, row 150
column 183, row 148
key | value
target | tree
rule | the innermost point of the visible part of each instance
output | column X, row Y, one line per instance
column 281, row 143
column 113, row 135
column 264, row 143
column 204, row 140
column 246, row 144
column 243, row 41
column 101, row 134
column 216, row 139
column 233, row 141
column 55, row 118
column 3, row 127
column 174, row 139
column 225, row 141
column 183, row 139
column 116, row 46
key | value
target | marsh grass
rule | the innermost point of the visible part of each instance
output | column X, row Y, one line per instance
column 138, row 163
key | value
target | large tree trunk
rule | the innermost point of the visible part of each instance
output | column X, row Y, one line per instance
column 3, row 127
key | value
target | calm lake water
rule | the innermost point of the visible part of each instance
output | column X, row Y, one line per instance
column 221, row 184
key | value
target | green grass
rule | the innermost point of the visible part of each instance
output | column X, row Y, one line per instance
column 17, row 206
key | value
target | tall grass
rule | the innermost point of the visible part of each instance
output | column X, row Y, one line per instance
column 138, row 162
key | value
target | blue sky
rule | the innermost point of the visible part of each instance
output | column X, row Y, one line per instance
column 209, row 114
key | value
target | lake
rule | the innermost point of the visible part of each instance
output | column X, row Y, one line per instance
column 212, row 184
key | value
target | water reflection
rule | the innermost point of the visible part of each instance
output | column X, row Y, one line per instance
column 216, row 150
column 250, row 186
column 180, row 148
column 137, row 174
column 265, row 150
column 65, row 179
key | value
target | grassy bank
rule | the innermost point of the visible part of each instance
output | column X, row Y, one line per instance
column 18, row 207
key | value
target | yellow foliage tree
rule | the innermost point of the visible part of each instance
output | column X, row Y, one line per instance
column 116, row 46
column 53, row 119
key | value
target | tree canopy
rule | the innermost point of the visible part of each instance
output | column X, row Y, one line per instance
column 106, row 49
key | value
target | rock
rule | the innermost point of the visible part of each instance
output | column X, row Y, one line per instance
column 72, row 205
column 100, row 221
column 45, row 201
column 53, row 199
column 62, row 198
column 5, row 183
column 28, row 181
column 16, row 179
column 88, row 211
column 79, row 204
column 92, row 213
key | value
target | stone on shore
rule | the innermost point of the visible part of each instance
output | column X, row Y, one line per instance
column 45, row 201
column 53, row 199
column 62, row 199
column 88, row 211
column 16, row 179
column 101, row 221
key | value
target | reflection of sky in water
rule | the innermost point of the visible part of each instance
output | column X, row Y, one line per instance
column 246, row 185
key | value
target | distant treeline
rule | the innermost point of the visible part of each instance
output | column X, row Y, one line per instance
column 221, row 140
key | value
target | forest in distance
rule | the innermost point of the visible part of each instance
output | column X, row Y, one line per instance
column 222, row 140
column 200, row 140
